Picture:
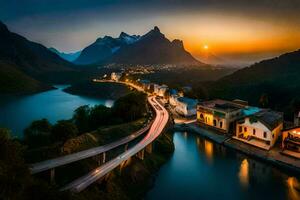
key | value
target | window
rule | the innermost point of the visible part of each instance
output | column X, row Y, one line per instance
column 245, row 129
column 201, row 116
column 265, row 134
column 215, row 122
column 254, row 131
column 240, row 129
column 221, row 124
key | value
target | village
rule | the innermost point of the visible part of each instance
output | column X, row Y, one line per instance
column 261, row 130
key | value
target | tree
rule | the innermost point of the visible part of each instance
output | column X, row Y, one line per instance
column 63, row 130
column 100, row 115
column 5, row 133
column 14, row 174
column 38, row 133
column 131, row 106
column 81, row 118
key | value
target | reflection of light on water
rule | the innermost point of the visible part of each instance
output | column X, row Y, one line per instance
column 293, row 187
column 244, row 173
column 185, row 135
column 209, row 149
column 109, row 103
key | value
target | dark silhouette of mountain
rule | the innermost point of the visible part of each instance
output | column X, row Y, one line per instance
column 14, row 81
column 154, row 48
column 26, row 62
column 66, row 56
column 151, row 48
column 104, row 47
column 276, row 79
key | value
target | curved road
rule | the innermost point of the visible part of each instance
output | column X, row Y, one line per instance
column 63, row 160
column 161, row 120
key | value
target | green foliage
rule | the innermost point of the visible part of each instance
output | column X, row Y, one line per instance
column 63, row 130
column 14, row 174
column 131, row 106
column 99, row 116
column 15, row 179
column 5, row 133
column 38, row 133
column 81, row 118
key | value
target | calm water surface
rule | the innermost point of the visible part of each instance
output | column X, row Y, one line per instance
column 18, row 113
column 200, row 169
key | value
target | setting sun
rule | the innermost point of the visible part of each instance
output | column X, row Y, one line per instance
column 205, row 47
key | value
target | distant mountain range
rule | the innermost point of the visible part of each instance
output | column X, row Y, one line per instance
column 25, row 65
column 151, row 48
column 67, row 56
column 104, row 47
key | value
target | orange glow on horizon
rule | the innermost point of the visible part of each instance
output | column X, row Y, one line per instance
column 230, row 35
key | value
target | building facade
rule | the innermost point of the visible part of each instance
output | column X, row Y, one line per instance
column 261, row 129
column 115, row 76
column 291, row 142
column 186, row 106
column 219, row 114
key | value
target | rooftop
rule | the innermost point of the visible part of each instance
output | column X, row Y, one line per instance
column 188, row 101
column 223, row 105
column 269, row 118
column 173, row 92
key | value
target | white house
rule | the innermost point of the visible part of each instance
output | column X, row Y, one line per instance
column 186, row 106
column 173, row 99
column 260, row 129
column 162, row 90
column 115, row 76
column 156, row 88
column 145, row 84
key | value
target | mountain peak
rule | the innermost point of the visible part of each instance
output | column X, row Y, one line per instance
column 156, row 29
column 155, row 32
column 123, row 34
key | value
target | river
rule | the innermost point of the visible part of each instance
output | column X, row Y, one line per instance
column 201, row 169
column 18, row 112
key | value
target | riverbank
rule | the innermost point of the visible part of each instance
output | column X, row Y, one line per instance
column 99, row 90
column 272, row 156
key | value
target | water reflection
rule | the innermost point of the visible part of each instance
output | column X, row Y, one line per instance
column 244, row 173
column 202, row 169
column 293, row 188
column 17, row 113
column 209, row 150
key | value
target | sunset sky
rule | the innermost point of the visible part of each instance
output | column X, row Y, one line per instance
column 238, row 31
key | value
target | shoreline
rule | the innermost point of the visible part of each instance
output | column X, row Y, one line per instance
column 272, row 156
